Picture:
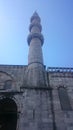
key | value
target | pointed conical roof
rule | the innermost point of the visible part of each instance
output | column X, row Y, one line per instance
column 35, row 15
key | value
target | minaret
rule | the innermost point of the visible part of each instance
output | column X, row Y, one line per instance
column 36, row 76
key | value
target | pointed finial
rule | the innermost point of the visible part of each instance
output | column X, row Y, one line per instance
column 35, row 15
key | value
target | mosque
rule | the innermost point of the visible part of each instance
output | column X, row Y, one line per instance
column 33, row 97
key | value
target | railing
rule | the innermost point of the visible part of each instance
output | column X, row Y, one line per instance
column 59, row 69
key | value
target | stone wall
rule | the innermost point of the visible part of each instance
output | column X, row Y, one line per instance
column 15, row 72
column 36, row 110
column 63, row 118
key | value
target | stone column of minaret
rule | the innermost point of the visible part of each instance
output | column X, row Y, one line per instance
column 36, row 76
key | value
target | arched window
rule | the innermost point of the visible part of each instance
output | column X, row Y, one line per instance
column 64, row 99
column 8, row 84
column 8, row 114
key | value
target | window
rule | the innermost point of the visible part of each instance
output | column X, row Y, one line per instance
column 8, row 114
column 64, row 99
column 8, row 84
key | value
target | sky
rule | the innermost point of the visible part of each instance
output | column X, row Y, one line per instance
column 57, row 23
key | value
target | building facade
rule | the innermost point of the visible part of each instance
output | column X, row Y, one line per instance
column 33, row 98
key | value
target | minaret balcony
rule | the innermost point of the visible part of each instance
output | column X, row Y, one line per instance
column 34, row 25
column 35, row 35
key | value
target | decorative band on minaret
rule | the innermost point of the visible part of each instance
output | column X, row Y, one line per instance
column 35, row 35
column 35, row 57
column 35, row 23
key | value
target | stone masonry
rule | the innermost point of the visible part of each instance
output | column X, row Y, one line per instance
column 37, row 96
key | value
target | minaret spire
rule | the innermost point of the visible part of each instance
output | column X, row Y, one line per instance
column 35, row 39
column 35, row 57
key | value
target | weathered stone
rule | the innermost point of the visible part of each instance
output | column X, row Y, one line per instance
column 34, row 90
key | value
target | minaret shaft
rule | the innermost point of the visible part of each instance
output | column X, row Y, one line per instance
column 35, row 52
column 35, row 72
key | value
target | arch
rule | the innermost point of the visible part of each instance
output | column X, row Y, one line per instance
column 5, row 80
column 8, row 114
column 17, row 103
column 3, row 72
column 64, row 99
column 8, row 84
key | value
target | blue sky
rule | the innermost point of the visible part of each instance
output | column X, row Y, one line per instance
column 57, row 23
